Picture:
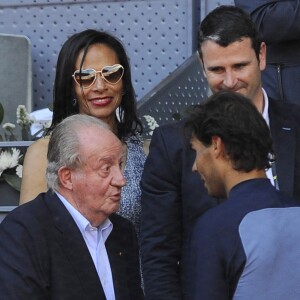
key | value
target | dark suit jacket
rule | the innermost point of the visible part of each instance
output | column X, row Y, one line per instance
column 173, row 196
column 279, row 25
column 285, row 130
column 43, row 255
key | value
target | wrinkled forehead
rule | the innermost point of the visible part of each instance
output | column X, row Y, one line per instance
column 95, row 139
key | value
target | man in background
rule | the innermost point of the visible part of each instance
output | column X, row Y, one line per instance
column 232, row 56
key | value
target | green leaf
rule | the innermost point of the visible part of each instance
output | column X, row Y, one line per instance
column 13, row 180
column 1, row 113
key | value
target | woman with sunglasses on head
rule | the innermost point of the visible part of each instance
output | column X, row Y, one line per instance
column 93, row 77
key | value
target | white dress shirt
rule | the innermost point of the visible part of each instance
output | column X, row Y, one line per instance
column 265, row 115
column 95, row 238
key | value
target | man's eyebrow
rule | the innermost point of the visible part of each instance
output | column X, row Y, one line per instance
column 242, row 63
column 111, row 158
column 105, row 159
column 212, row 68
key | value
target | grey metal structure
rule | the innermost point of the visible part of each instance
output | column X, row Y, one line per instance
column 168, row 101
column 207, row 5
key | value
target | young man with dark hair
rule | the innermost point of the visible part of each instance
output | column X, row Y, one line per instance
column 243, row 248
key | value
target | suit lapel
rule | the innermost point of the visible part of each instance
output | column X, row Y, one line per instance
column 73, row 244
column 284, row 145
column 116, row 254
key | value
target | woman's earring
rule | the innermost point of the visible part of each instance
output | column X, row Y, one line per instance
column 74, row 102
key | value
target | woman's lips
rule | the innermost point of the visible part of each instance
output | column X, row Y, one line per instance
column 101, row 101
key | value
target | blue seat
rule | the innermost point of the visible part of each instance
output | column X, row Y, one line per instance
column 15, row 75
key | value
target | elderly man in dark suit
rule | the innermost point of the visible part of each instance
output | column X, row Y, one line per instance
column 67, row 243
column 232, row 57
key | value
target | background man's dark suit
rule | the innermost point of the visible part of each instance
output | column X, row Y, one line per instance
column 278, row 22
column 285, row 129
column 48, row 250
column 173, row 196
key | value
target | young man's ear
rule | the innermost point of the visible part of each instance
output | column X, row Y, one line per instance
column 217, row 146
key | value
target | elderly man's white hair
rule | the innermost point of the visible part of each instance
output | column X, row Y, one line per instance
column 63, row 148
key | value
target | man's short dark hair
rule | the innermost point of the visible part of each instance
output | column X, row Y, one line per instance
column 234, row 119
column 228, row 24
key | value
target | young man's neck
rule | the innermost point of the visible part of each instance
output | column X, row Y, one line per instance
column 238, row 177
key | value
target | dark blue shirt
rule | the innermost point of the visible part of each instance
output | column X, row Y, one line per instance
column 248, row 247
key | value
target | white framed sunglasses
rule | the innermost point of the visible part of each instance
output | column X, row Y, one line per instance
column 110, row 74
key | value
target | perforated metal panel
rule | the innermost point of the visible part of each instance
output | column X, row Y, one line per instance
column 208, row 5
column 156, row 34
column 167, row 103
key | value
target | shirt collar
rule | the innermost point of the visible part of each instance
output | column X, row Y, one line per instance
column 265, row 113
column 83, row 223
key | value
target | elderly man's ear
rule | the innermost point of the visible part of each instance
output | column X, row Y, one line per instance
column 65, row 178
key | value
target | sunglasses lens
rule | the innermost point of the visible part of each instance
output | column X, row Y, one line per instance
column 113, row 74
column 85, row 78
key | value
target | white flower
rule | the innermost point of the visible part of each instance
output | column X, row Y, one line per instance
column 9, row 126
column 19, row 170
column 43, row 123
column 47, row 124
column 151, row 122
column 9, row 159
column 23, row 117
